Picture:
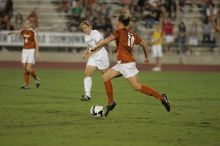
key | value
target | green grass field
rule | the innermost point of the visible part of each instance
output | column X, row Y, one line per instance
column 53, row 115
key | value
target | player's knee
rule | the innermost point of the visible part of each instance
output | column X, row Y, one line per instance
column 88, row 74
column 29, row 69
column 136, row 87
column 104, row 78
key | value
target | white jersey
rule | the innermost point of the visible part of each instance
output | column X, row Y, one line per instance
column 91, row 40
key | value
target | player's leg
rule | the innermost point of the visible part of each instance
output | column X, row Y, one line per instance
column 104, row 70
column 31, row 60
column 148, row 91
column 109, row 89
column 133, row 81
column 31, row 71
column 26, row 77
column 89, row 71
column 33, row 74
column 24, row 58
column 36, row 78
column 107, row 76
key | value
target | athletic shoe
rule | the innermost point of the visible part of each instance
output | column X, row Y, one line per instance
column 85, row 98
column 24, row 87
column 37, row 83
column 110, row 108
column 165, row 102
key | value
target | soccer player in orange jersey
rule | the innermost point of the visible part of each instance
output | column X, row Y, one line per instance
column 125, row 41
column 30, row 51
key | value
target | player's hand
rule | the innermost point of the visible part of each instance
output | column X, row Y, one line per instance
column 37, row 56
column 86, row 54
column 146, row 61
column 91, row 49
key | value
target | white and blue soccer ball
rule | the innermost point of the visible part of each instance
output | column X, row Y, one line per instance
column 97, row 111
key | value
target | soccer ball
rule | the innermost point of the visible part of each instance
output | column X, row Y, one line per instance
column 97, row 111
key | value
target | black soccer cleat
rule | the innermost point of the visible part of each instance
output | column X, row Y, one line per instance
column 37, row 83
column 85, row 98
column 165, row 102
column 110, row 108
column 24, row 87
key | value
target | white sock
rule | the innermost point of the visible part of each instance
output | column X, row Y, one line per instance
column 88, row 85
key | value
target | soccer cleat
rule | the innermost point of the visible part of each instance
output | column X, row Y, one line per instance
column 110, row 108
column 25, row 87
column 165, row 102
column 37, row 83
column 85, row 98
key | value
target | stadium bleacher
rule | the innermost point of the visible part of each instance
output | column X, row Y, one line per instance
column 51, row 20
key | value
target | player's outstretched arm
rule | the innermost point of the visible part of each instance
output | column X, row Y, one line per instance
column 146, row 50
column 103, row 43
column 14, row 32
column 87, row 53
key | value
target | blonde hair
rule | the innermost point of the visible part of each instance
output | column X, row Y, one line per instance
column 27, row 24
column 85, row 23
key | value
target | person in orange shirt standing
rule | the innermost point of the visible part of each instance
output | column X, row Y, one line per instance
column 125, row 41
column 30, row 51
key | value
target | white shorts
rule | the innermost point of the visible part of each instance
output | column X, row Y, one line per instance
column 169, row 38
column 157, row 51
column 101, row 61
column 126, row 69
column 28, row 56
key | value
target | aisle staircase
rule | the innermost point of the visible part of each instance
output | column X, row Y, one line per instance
column 49, row 19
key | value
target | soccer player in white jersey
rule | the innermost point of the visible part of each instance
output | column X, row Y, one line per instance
column 99, row 60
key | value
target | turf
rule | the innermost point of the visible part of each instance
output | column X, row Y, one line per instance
column 53, row 115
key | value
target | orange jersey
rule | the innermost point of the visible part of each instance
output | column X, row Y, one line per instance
column 29, row 38
column 125, row 41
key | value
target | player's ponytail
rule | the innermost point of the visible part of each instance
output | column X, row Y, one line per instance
column 124, row 19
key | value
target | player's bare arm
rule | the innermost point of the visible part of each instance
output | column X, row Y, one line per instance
column 14, row 32
column 37, row 46
column 87, row 53
column 146, row 50
column 103, row 43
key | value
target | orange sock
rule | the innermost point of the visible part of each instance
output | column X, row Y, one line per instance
column 109, row 91
column 26, row 78
column 151, row 92
column 33, row 74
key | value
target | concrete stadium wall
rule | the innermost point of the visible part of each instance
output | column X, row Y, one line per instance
column 168, row 58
